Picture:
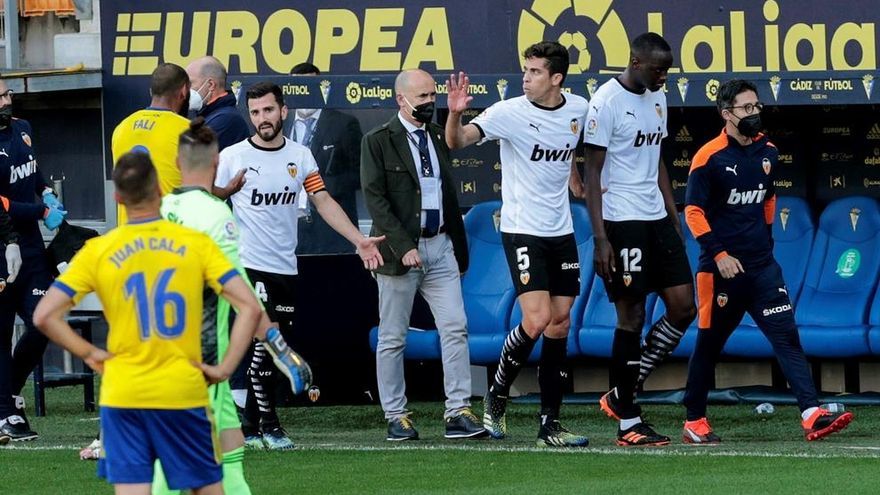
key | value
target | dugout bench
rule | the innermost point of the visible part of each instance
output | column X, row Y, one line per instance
column 81, row 319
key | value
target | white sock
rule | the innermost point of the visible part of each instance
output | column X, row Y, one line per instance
column 626, row 424
column 809, row 412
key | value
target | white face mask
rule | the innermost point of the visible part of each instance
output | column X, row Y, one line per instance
column 196, row 102
column 305, row 113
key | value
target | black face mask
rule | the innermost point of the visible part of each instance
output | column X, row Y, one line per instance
column 5, row 116
column 749, row 126
column 424, row 112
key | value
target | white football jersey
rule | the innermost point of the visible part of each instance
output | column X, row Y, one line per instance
column 266, row 208
column 537, row 148
column 630, row 126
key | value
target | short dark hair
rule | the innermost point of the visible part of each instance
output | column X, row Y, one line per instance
column 135, row 178
column 728, row 92
column 554, row 53
column 261, row 89
column 305, row 68
column 167, row 79
column 647, row 43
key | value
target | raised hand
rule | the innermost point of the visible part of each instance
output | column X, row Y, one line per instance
column 458, row 99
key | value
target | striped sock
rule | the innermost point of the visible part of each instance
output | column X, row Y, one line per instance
column 662, row 339
column 262, row 375
column 517, row 347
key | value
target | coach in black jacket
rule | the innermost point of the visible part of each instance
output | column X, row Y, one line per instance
column 408, row 189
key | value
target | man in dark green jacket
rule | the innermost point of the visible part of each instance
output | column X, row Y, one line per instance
column 408, row 189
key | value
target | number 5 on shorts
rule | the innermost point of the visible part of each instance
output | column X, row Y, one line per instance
column 522, row 258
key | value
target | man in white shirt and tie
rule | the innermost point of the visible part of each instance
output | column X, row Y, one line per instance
column 334, row 139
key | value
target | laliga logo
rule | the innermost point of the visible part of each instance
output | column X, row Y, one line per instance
column 598, row 16
column 712, row 86
column 353, row 92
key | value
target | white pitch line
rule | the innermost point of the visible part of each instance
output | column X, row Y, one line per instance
column 678, row 451
column 31, row 446
column 672, row 451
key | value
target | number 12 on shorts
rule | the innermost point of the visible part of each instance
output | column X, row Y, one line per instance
column 631, row 258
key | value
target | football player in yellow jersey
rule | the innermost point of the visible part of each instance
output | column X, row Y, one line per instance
column 150, row 275
column 156, row 130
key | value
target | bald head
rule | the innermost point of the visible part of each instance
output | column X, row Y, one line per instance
column 413, row 88
column 409, row 78
column 206, row 68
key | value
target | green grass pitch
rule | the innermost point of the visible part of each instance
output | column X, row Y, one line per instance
column 342, row 450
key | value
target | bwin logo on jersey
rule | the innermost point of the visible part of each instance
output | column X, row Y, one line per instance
column 651, row 139
column 540, row 154
column 747, row 197
column 22, row 171
column 286, row 197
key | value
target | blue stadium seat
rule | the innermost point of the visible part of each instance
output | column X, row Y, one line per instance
column 832, row 311
column 596, row 335
column 584, row 238
column 793, row 231
column 487, row 291
column 689, row 340
column 874, row 330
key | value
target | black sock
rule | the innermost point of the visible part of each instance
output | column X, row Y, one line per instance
column 551, row 375
column 262, row 374
column 625, row 352
column 517, row 347
column 249, row 415
column 662, row 339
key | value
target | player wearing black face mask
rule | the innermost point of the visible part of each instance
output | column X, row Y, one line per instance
column 28, row 199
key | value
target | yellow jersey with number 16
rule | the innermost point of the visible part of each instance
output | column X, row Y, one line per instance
column 150, row 277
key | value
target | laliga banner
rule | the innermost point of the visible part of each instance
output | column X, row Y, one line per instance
column 811, row 51
column 349, row 37
column 365, row 91
column 807, row 52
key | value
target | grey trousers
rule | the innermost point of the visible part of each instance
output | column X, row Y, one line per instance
column 439, row 283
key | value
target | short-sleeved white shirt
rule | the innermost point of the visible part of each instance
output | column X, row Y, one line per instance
column 266, row 208
column 630, row 126
column 537, row 148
